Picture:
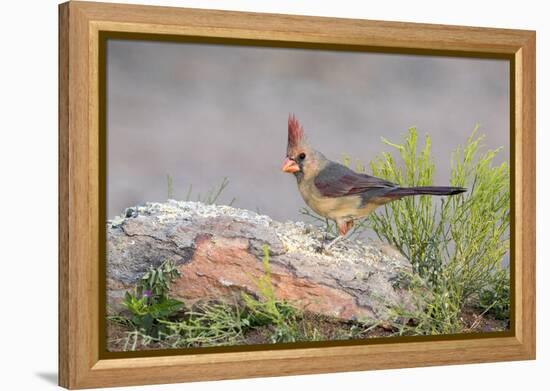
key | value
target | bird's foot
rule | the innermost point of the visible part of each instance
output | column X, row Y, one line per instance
column 325, row 247
column 333, row 242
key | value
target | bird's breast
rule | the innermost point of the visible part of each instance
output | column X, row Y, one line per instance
column 330, row 207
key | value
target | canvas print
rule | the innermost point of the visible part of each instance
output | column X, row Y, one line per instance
column 263, row 195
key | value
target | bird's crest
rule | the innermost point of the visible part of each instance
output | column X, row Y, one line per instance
column 295, row 133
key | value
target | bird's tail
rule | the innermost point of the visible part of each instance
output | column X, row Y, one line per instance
column 426, row 190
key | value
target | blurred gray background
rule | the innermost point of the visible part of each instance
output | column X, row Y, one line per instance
column 204, row 112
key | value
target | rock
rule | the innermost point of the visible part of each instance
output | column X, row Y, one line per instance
column 218, row 251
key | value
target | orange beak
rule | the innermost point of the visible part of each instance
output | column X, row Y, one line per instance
column 290, row 166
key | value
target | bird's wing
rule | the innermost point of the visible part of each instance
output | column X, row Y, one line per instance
column 336, row 180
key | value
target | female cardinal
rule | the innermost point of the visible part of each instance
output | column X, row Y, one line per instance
column 338, row 193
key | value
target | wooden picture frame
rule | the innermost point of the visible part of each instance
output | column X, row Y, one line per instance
column 81, row 162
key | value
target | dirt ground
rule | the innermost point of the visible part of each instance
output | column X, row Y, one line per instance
column 328, row 329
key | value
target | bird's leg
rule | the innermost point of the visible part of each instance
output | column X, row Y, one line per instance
column 327, row 227
column 333, row 242
column 344, row 227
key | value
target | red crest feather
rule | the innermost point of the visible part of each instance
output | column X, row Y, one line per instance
column 295, row 133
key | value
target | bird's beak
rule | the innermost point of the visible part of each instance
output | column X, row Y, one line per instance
column 290, row 166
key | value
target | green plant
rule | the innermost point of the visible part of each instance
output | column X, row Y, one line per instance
column 495, row 299
column 456, row 245
column 209, row 324
column 436, row 311
column 155, row 283
column 268, row 310
column 212, row 196
column 149, row 304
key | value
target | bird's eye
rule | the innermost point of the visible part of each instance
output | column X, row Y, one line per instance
column 302, row 156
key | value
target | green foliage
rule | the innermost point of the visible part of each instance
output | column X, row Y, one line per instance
column 281, row 315
column 495, row 299
column 157, row 281
column 149, row 304
column 208, row 324
column 441, row 314
column 410, row 223
column 212, row 196
column 456, row 243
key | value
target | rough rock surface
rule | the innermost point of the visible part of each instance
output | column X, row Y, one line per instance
column 218, row 250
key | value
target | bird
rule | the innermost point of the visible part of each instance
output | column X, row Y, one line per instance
column 336, row 192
